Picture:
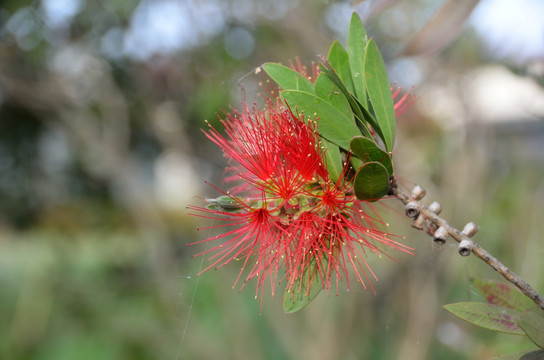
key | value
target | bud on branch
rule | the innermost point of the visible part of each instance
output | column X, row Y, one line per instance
column 466, row 245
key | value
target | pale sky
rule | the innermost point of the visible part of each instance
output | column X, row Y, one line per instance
column 512, row 29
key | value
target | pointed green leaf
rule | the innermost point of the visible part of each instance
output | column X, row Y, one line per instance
column 287, row 78
column 371, row 182
column 533, row 325
column 304, row 84
column 357, row 40
column 333, row 158
column 488, row 316
column 503, row 294
column 356, row 106
column 326, row 89
column 370, row 119
column 339, row 60
column 362, row 115
column 522, row 355
column 367, row 150
column 333, row 124
column 297, row 297
column 379, row 93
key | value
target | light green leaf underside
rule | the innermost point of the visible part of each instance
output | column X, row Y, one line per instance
column 533, row 325
column 488, row 316
column 287, row 78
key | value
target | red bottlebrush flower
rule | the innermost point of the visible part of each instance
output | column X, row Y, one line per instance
column 303, row 69
column 405, row 102
column 284, row 218
column 271, row 149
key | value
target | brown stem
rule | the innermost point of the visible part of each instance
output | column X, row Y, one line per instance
column 476, row 249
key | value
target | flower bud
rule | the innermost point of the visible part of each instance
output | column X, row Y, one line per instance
column 465, row 247
column 440, row 235
column 418, row 192
column 419, row 222
column 411, row 209
column 435, row 207
column 470, row 229
column 223, row 203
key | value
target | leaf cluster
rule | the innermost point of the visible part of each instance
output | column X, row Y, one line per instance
column 351, row 102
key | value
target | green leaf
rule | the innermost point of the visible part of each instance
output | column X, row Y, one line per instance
column 522, row 355
column 339, row 60
column 287, row 78
column 357, row 40
column 333, row 159
column 223, row 203
column 367, row 150
column 356, row 106
column 297, row 297
column 304, row 84
column 533, row 325
column 326, row 89
column 369, row 119
column 379, row 92
column 371, row 182
column 503, row 294
column 488, row 316
column 333, row 124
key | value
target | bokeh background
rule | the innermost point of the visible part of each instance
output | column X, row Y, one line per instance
column 101, row 106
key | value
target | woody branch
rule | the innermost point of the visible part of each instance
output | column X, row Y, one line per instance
column 440, row 229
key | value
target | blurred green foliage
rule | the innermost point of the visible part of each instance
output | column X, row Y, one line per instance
column 101, row 149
